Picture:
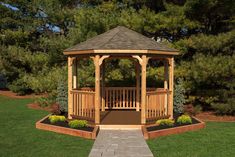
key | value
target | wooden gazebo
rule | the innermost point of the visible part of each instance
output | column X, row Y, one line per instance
column 120, row 42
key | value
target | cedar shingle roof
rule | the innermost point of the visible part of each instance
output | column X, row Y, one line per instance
column 120, row 38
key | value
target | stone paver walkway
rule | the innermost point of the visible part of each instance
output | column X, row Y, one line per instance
column 120, row 143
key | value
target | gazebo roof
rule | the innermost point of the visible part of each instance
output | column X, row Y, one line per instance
column 120, row 40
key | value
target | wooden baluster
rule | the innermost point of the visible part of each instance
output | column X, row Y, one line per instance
column 75, row 112
column 160, row 107
column 116, row 91
column 86, row 105
column 120, row 96
column 106, row 98
column 131, row 101
column 123, row 100
column 114, row 104
column 147, row 106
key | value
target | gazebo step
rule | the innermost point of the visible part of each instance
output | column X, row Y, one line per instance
column 120, row 127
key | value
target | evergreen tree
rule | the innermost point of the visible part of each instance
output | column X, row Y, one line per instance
column 179, row 97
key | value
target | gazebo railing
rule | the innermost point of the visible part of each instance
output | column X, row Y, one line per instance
column 83, row 104
column 120, row 98
column 156, row 104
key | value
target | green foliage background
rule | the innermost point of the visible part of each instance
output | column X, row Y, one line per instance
column 31, row 57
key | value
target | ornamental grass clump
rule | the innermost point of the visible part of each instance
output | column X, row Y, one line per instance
column 165, row 122
column 78, row 124
column 54, row 118
column 184, row 119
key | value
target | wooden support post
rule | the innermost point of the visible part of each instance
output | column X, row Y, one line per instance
column 137, row 65
column 171, row 86
column 75, row 73
column 103, row 86
column 143, row 89
column 70, row 80
column 166, row 84
column 97, row 89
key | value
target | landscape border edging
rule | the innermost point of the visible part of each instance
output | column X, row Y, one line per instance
column 68, row 131
column 171, row 131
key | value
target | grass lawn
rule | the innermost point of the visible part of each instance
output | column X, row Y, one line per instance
column 216, row 140
column 19, row 137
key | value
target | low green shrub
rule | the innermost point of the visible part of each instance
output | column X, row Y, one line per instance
column 184, row 119
column 192, row 110
column 54, row 118
column 78, row 123
column 227, row 108
column 46, row 101
column 165, row 122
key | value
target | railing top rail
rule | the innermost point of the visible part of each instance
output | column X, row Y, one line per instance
column 158, row 92
column 119, row 88
column 82, row 92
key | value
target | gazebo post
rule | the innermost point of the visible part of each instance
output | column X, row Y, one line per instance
column 75, row 73
column 143, row 89
column 103, row 85
column 97, row 89
column 171, row 86
column 70, row 82
column 137, row 66
column 166, row 84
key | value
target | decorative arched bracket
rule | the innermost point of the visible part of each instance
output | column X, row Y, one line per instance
column 102, row 58
column 72, row 60
column 138, row 58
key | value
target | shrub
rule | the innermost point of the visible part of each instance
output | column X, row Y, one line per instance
column 184, row 119
column 3, row 81
column 46, row 101
column 20, row 87
column 165, row 122
column 179, row 96
column 227, row 108
column 62, row 95
column 78, row 123
column 45, row 81
column 54, row 118
column 191, row 110
column 55, row 109
column 197, row 109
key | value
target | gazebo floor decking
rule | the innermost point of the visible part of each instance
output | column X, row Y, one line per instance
column 120, row 117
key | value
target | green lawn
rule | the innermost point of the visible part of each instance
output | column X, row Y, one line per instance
column 19, row 137
column 216, row 140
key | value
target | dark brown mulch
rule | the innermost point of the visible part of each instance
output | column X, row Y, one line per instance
column 211, row 116
column 37, row 107
column 65, row 124
column 155, row 127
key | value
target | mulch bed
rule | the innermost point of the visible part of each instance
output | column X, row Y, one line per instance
column 37, row 107
column 211, row 116
column 65, row 124
column 160, row 127
column 155, row 131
